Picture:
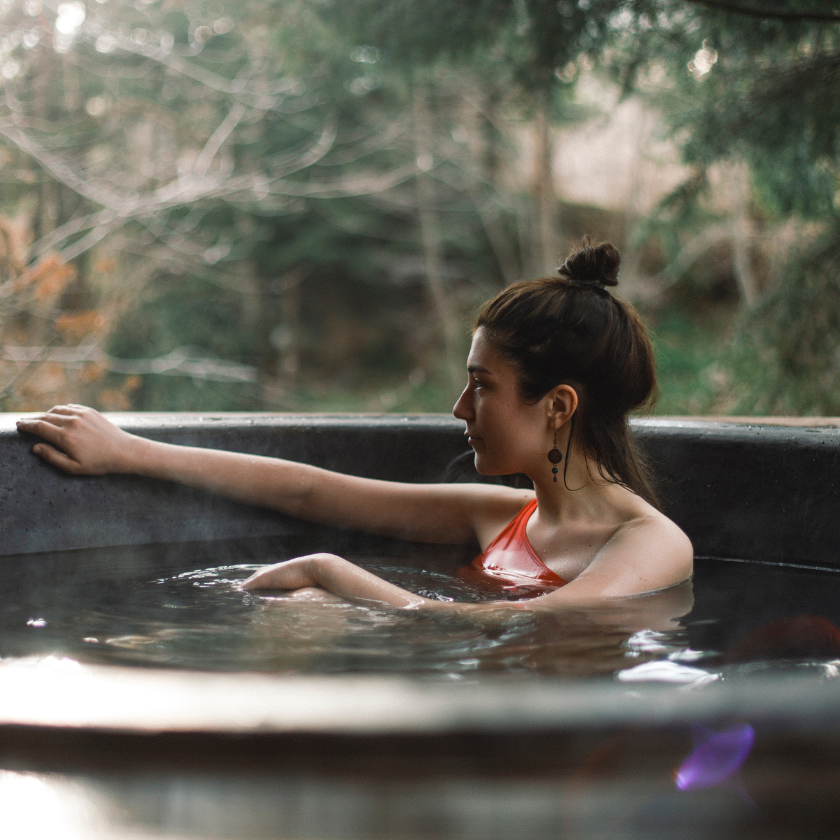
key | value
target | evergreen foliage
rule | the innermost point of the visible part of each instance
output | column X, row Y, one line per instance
column 275, row 185
column 786, row 357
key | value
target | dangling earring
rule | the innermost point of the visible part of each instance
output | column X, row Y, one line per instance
column 555, row 456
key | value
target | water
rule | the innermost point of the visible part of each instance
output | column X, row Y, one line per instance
column 135, row 608
column 177, row 607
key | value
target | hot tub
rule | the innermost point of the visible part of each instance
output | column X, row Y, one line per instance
column 162, row 750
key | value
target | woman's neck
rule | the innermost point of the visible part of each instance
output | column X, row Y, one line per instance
column 580, row 492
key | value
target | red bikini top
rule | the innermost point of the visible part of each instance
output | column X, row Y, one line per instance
column 511, row 563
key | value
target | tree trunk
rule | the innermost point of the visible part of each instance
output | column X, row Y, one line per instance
column 484, row 194
column 430, row 234
column 739, row 195
column 546, row 245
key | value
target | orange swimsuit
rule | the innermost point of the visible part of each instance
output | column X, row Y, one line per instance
column 510, row 563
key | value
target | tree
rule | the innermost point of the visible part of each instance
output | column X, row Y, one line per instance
column 759, row 106
column 152, row 137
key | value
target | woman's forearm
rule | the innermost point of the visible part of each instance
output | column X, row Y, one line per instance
column 336, row 575
column 253, row 479
column 347, row 580
column 83, row 442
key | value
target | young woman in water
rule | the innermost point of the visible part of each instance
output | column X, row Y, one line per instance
column 554, row 368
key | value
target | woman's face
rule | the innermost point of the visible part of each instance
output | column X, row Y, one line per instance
column 507, row 434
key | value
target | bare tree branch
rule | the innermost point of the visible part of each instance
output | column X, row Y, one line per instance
column 753, row 11
column 206, row 77
column 217, row 139
column 54, row 238
column 180, row 362
column 57, row 168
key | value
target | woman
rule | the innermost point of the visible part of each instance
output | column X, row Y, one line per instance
column 554, row 368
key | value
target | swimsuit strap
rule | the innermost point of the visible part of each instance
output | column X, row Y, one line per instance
column 511, row 560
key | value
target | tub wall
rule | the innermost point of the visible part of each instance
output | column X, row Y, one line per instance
column 744, row 491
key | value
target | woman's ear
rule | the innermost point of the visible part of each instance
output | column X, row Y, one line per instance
column 562, row 404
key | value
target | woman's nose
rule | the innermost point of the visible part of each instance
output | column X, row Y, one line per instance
column 462, row 408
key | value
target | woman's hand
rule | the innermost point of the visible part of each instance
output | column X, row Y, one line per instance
column 88, row 443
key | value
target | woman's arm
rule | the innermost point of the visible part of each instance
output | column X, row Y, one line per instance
column 336, row 575
column 646, row 555
column 81, row 441
column 341, row 578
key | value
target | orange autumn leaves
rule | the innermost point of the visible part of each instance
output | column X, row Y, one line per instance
column 40, row 328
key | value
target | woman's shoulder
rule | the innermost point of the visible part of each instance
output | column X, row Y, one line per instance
column 659, row 543
column 493, row 507
column 640, row 516
column 654, row 523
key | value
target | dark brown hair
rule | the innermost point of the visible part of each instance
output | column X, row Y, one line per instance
column 571, row 330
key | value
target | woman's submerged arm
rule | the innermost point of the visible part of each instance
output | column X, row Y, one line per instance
column 81, row 441
column 350, row 582
column 336, row 575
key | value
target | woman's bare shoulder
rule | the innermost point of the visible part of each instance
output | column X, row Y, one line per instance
column 654, row 549
column 492, row 507
column 656, row 527
column 646, row 553
column 489, row 506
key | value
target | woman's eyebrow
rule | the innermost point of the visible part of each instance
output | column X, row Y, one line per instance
column 478, row 369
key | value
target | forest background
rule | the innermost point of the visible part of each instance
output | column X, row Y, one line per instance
column 297, row 205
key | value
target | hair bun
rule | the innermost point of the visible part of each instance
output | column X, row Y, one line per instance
column 592, row 265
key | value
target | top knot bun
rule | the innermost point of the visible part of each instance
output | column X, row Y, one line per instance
column 592, row 265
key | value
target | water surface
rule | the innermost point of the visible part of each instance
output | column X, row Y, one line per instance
column 106, row 607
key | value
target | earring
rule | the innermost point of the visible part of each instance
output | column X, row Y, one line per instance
column 555, row 456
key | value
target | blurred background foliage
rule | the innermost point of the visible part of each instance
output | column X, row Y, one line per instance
column 299, row 204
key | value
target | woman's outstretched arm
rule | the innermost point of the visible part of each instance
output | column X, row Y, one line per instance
column 81, row 441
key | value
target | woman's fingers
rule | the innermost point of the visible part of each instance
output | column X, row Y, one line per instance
column 69, row 410
column 58, row 416
column 42, row 427
column 56, row 458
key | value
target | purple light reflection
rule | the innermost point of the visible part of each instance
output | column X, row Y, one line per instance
column 716, row 756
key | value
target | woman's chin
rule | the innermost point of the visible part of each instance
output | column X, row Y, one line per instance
column 484, row 467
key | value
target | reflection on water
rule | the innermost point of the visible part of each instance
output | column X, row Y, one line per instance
column 201, row 619
column 737, row 619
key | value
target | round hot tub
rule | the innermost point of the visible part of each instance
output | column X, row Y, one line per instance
column 142, row 694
